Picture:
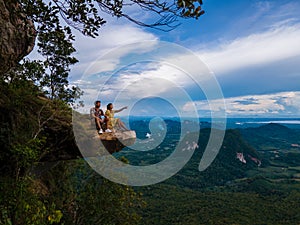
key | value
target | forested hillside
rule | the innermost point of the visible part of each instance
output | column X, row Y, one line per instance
column 257, row 188
column 253, row 180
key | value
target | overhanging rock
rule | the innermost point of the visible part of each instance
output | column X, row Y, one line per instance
column 114, row 142
column 92, row 145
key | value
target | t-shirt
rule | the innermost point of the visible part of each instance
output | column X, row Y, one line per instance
column 96, row 112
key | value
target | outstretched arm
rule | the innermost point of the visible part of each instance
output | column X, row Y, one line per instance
column 119, row 110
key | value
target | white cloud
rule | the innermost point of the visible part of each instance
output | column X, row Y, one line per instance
column 147, row 80
column 278, row 43
column 89, row 50
column 277, row 104
column 257, row 49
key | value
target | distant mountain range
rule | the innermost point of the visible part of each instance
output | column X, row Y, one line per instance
column 255, row 178
column 234, row 159
column 241, row 151
column 271, row 136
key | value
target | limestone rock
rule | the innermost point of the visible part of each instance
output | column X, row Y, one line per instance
column 93, row 146
column 17, row 34
column 114, row 142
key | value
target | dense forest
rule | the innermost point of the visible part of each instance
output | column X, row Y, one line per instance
column 35, row 192
column 263, row 189
column 36, row 104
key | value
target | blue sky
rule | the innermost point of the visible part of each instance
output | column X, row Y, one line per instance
column 252, row 47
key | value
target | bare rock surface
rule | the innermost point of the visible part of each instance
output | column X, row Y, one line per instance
column 17, row 35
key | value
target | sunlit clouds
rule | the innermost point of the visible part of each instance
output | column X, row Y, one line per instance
column 269, row 105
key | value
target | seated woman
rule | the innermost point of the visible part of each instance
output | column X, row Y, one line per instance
column 112, row 121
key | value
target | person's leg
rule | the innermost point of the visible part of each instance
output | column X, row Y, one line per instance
column 98, row 125
column 117, row 124
column 103, row 125
column 109, row 125
column 122, row 125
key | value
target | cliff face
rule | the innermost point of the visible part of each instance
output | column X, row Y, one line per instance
column 17, row 34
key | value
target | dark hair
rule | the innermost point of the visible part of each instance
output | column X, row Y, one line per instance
column 108, row 105
column 98, row 101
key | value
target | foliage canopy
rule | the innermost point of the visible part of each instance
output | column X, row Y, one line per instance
column 35, row 117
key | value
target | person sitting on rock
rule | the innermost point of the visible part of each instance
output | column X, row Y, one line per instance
column 112, row 121
column 98, row 115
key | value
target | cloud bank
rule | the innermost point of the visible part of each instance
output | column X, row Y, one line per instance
column 274, row 45
column 281, row 104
